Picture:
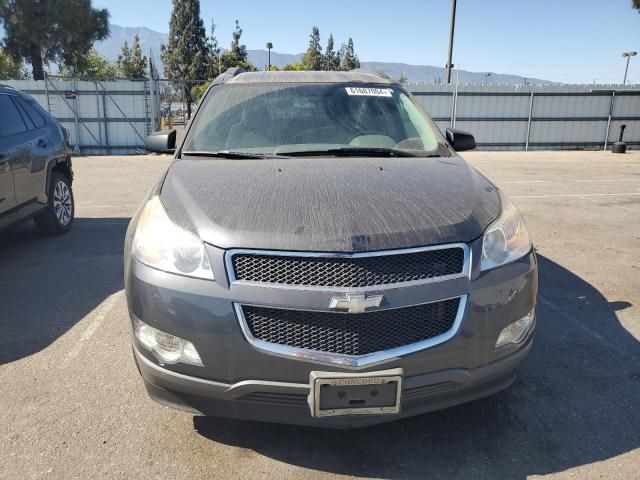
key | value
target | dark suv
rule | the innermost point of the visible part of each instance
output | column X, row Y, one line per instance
column 318, row 253
column 35, row 165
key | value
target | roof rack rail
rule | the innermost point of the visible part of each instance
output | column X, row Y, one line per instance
column 372, row 72
column 229, row 74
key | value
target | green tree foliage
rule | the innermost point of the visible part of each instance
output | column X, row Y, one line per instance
column 185, row 56
column 91, row 66
column 295, row 67
column 331, row 57
column 51, row 30
column 199, row 90
column 636, row 4
column 313, row 59
column 10, row 68
column 132, row 64
column 348, row 58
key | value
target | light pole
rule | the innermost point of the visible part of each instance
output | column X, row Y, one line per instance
column 628, row 55
column 269, row 47
column 449, row 66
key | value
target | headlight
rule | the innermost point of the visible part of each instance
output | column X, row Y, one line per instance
column 506, row 239
column 165, row 347
column 161, row 244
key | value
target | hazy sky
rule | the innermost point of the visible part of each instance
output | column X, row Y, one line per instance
column 561, row 40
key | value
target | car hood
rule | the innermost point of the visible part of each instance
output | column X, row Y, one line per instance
column 330, row 204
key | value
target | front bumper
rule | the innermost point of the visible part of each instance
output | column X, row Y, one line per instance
column 239, row 380
column 282, row 402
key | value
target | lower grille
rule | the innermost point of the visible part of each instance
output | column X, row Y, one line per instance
column 350, row 334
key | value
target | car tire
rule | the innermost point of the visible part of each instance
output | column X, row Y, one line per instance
column 58, row 217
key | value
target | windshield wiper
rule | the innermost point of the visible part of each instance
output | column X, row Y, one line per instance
column 354, row 152
column 229, row 154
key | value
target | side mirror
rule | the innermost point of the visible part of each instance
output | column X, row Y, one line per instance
column 163, row 141
column 460, row 140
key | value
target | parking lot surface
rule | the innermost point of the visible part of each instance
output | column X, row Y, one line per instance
column 73, row 406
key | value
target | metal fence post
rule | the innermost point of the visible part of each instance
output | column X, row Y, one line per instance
column 46, row 91
column 611, row 105
column 526, row 145
column 106, row 119
column 453, row 106
column 153, row 92
column 75, row 112
column 98, row 113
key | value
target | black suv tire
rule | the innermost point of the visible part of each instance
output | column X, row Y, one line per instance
column 58, row 217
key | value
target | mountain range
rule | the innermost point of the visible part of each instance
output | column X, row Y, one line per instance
column 151, row 40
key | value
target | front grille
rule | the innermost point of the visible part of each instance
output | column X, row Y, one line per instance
column 351, row 272
column 351, row 334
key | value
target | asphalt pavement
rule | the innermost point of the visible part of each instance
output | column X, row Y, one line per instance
column 72, row 404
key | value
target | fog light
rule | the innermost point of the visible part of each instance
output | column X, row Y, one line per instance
column 165, row 347
column 516, row 331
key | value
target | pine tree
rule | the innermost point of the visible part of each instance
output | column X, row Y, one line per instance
column 132, row 64
column 236, row 56
column 185, row 57
column 239, row 51
column 348, row 58
column 214, row 52
column 313, row 59
column 62, row 31
column 331, row 57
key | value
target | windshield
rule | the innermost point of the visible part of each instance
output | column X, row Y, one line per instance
column 297, row 118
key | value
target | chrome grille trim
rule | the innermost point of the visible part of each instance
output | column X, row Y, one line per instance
column 466, row 267
column 351, row 361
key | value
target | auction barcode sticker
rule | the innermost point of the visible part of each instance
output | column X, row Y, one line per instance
column 369, row 92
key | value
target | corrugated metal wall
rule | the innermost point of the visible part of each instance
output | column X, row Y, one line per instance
column 518, row 117
column 115, row 116
column 103, row 117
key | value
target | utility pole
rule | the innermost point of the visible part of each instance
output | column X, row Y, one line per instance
column 628, row 55
column 269, row 47
column 453, row 24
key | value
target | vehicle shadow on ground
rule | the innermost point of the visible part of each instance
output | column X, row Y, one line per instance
column 49, row 283
column 575, row 402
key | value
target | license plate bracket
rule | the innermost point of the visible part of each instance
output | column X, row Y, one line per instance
column 367, row 393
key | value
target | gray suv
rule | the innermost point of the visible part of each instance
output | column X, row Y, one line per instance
column 317, row 253
column 35, row 165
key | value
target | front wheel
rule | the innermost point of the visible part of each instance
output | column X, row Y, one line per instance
column 58, row 217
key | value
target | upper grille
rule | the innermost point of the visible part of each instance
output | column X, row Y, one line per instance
column 350, row 334
column 351, row 272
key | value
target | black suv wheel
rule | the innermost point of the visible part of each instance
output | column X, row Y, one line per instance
column 58, row 217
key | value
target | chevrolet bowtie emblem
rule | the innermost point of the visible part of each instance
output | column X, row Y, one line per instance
column 356, row 302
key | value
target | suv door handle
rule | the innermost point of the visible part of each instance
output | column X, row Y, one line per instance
column 43, row 142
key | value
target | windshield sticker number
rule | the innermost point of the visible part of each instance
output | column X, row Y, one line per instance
column 369, row 92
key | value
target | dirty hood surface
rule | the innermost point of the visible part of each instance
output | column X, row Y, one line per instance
column 330, row 204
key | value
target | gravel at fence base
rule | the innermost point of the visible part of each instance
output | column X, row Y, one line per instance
column 73, row 405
